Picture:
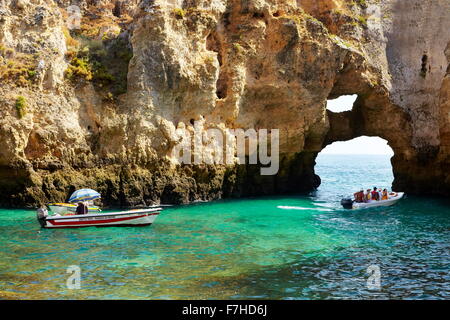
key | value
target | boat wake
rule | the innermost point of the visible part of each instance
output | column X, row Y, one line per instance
column 302, row 208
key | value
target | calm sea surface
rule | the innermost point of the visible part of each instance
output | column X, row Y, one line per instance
column 291, row 247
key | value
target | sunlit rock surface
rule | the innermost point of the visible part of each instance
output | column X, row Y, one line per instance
column 260, row 64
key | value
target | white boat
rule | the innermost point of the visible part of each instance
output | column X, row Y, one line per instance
column 393, row 199
column 141, row 217
column 64, row 208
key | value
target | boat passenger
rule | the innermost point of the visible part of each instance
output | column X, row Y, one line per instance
column 359, row 196
column 81, row 209
column 385, row 195
column 380, row 193
column 368, row 195
column 375, row 195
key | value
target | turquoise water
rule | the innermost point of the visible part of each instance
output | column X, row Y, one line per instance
column 290, row 247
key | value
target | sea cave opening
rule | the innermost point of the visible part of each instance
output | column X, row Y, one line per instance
column 347, row 166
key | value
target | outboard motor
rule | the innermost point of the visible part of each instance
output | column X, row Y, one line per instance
column 41, row 215
column 347, row 203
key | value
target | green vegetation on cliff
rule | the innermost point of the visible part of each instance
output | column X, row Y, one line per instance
column 179, row 13
column 105, row 62
column 21, row 106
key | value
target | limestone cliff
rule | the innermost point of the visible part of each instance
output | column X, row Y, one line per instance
column 98, row 104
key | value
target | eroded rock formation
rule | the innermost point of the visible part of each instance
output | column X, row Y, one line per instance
column 165, row 65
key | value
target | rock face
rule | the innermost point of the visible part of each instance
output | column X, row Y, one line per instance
column 253, row 64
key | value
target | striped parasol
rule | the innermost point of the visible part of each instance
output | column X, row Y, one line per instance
column 84, row 195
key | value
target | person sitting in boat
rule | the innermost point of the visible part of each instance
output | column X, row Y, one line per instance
column 359, row 196
column 375, row 195
column 368, row 195
column 385, row 195
column 81, row 209
column 380, row 193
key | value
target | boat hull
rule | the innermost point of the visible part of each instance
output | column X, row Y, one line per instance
column 144, row 217
column 382, row 203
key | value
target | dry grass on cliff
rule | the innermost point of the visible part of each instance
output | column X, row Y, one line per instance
column 17, row 68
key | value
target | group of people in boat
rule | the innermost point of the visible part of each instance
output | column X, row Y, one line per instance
column 377, row 194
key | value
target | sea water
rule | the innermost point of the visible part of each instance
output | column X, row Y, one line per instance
column 285, row 247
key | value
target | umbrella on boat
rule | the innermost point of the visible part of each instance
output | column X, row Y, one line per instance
column 84, row 195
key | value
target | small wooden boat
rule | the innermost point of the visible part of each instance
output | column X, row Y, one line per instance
column 142, row 217
column 393, row 199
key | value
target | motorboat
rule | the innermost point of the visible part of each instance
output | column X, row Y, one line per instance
column 140, row 217
column 66, row 215
column 395, row 197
